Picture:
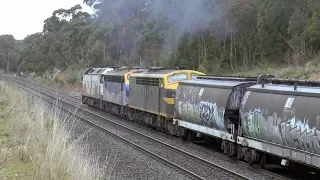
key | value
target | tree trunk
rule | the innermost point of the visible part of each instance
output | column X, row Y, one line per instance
column 261, row 52
column 250, row 54
column 82, row 55
column 231, row 53
column 235, row 52
column 8, row 62
column 104, row 52
column 224, row 55
column 199, row 54
column 8, row 66
column 204, row 46
column 305, row 51
column 245, row 52
column 224, row 48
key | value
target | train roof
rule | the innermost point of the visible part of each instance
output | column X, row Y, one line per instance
column 237, row 78
column 227, row 78
column 98, row 71
column 122, row 71
column 286, row 89
column 288, row 86
column 214, row 83
column 159, row 72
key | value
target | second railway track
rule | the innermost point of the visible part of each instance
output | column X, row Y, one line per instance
column 195, row 167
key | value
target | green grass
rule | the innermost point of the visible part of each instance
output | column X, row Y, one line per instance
column 3, row 131
column 3, row 121
column 9, row 168
column 16, row 171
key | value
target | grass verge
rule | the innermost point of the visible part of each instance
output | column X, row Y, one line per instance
column 310, row 70
column 35, row 144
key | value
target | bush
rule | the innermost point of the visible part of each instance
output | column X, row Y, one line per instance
column 72, row 78
column 59, row 79
column 56, row 79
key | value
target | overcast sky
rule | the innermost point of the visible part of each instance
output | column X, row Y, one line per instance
column 23, row 17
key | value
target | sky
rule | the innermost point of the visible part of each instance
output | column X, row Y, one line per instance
column 23, row 17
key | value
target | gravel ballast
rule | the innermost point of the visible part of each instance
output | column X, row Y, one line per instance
column 238, row 167
column 125, row 162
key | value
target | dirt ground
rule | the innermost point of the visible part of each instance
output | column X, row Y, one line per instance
column 314, row 76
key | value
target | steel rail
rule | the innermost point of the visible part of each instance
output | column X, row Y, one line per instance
column 232, row 173
column 132, row 144
column 235, row 174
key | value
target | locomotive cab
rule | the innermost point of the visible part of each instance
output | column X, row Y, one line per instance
column 116, row 90
column 92, row 85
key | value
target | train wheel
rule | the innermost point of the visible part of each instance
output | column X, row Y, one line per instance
column 162, row 124
column 131, row 115
column 232, row 149
column 183, row 133
column 240, row 152
column 101, row 105
column 262, row 164
column 154, row 121
column 191, row 136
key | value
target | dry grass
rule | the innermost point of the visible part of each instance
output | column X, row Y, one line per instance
column 310, row 70
column 36, row 145
column 68, row 81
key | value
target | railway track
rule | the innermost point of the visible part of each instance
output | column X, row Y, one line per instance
column 170, row 157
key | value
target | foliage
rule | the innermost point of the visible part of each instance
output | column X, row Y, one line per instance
column 8, row 51
column 59, row 79
column 214, row 36
column 72, row 78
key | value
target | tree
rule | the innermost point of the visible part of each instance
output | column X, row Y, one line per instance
column 8, row 50
column 214, row 36
column 312, row 30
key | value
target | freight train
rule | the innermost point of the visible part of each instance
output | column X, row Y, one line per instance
column 257, row 119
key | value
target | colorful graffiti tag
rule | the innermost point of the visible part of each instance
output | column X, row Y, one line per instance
column 284, row 130
column 251, row 122
column 210, row 115
column 193, row 108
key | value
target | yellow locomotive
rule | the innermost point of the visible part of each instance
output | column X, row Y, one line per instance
column 152, row 92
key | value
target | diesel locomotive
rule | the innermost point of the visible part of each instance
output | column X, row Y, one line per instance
column 142, row 95
column 257, row 119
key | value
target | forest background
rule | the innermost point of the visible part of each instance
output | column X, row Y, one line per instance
column 244, row 37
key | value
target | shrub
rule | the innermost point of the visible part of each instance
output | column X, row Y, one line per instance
column 59, row 79
column 72, row 78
